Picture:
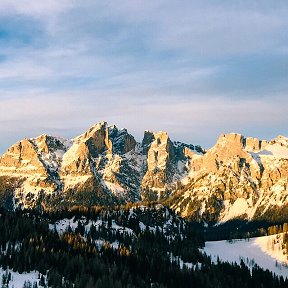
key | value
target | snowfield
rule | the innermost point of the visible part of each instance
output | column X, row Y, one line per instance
column 18, row 280
column 264, row 251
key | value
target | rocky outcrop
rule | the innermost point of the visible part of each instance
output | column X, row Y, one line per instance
column 99, row 157
column 237, row 178
column 122, row 141
column 160, row 158
column 31, row 167
column 166, row 164
column 22, row 158
column 101, row 166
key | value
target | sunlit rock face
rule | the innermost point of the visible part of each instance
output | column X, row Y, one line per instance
column 167, row 163
column 239, row 177
column 101, row 166
column 30, row 167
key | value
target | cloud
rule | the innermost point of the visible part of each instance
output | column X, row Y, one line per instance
column 217, row 29
column 197, row 122
column 192, row 27
column 193, row 68
column 33, row 7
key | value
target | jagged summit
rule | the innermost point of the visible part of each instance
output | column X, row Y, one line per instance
column 238, row 177
column 103, row 165
column 247, row 143
column 101, row 137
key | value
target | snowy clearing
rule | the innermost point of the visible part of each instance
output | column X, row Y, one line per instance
column 259, row 250
column 18, row 280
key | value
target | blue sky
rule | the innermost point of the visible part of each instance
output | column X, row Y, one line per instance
column 193, row 68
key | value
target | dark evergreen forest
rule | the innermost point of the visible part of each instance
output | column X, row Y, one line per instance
column 117, row 247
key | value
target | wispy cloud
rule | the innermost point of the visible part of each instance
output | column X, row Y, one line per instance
column 199, row 122
column 193, row 68
column 34, row 8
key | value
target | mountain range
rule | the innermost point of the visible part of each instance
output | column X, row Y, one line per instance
column 239, row 177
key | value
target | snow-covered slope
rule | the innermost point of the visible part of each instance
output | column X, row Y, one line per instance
column 264, row 251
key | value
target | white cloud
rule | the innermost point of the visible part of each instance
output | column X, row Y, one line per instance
column 24, row 71
column 198, row 122
column 34, row 7
column 143, row 65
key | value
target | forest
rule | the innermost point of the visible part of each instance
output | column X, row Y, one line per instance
column 125, row 246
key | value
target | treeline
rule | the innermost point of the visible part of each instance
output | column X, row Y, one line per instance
column 103, row 255
column 276, row 229
column 241, row 229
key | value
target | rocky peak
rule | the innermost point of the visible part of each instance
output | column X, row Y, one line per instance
column 235, row 146
column 231, row 139
column 96, row 139
column 228, row 148
column 161, row 164
column 49, row 144
column 102, row 138
column 147, row 140
column 155, row 139
column 236, row 169
column 98, row 157
column 122, row 141
column 250, row 144
column 253, row 144
column 22, row 157
column 93, row 131
column 281, row 140
column 160, row 150
column 106, row 163
column 185, row 151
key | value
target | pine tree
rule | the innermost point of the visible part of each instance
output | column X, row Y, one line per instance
column 42, row 281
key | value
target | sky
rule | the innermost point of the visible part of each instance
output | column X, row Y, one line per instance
column 195, row 69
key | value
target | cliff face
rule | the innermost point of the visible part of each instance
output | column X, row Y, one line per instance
column 167, row 163
column 238, row 177
column 101, row 166
column 31, row 166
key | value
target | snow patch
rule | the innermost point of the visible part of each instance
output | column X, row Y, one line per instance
column 238, row 208
column 17, row 279
column 274, row 150
column 115, row 188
